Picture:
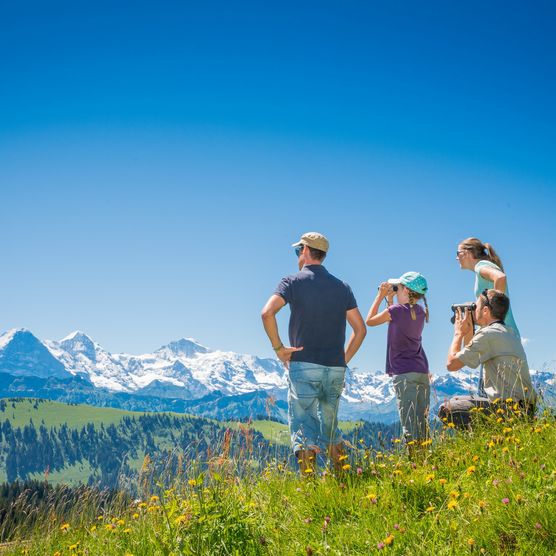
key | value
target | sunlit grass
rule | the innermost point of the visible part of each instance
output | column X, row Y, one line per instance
column 490, row 491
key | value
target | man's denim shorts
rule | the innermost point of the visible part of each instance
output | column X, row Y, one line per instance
column 313, row 398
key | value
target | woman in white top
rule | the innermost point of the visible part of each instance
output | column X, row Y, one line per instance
column 481, row 258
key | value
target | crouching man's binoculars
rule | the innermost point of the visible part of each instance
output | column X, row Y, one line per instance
column 471, row 306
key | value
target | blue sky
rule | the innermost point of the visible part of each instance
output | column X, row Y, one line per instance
column 157, row 161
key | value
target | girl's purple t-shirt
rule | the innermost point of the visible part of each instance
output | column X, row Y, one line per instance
column 404, row 350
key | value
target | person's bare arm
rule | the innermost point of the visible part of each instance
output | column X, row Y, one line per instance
column 268, row 314
column 497, row 277
column 359, row 331
column 463, row 332
column 374, row 318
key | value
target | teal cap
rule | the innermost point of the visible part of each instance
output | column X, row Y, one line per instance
column 413, row 280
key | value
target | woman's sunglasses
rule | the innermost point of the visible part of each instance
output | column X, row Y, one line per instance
column 484, row 294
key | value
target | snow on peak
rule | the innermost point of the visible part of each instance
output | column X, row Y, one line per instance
column 10, row 334
column 185, row 347
column 23, row 354
column 75, row 334
column 78, row 343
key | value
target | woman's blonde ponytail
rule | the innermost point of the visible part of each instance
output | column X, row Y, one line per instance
column 493, row 257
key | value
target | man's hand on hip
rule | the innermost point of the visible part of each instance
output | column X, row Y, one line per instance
column 285, row 354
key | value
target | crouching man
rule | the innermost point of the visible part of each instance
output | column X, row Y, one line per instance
column 498, row 348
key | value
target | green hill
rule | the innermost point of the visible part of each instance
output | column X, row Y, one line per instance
column 487, row 491
column 21, row 411
column 103, row 446
column 76, row 443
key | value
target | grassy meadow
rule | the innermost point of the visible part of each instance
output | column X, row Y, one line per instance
column 22, row 411
column 487, row 491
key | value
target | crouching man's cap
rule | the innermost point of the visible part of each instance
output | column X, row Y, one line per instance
column 314, row 240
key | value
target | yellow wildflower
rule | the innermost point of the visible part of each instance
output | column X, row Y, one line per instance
column 430, row 509
column 452, row 504
column 509, row 400
column 454, row 494
column 154, row 498
column 389, row 540
column 65, row 527
column 127, row 530
column 429, row 477
column 93, row 528
column 343, row 457
column 470, row 542
column 346, row 466
column 308, row 470
column 471, row 469
column 475, row 459
column 135, row 516
column 442, row 481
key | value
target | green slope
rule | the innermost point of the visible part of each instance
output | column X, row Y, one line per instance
column 72, row 451
column 486, row 491
column 20, row 411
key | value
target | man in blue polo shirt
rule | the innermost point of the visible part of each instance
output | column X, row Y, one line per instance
column 320, row 305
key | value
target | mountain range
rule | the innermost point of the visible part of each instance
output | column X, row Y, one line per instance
column 186, row 376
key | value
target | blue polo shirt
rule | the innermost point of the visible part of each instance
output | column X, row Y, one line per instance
column 318, row 303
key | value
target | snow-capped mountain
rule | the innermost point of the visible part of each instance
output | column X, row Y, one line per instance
column 183, row 368
column 22, row 354
column 186, row 370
